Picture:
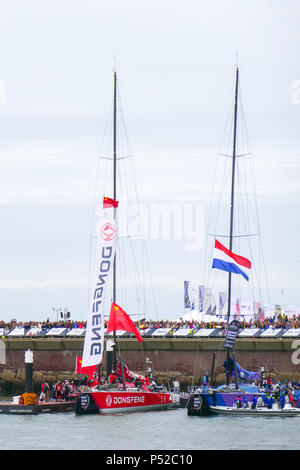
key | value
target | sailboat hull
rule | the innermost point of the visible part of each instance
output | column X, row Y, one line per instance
column 108, row 402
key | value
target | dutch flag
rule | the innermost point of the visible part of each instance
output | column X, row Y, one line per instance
column 225, row 260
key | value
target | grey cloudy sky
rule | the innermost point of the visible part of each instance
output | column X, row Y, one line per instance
column 175, row 64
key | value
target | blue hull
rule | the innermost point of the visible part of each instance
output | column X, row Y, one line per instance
column 228, row 398
column 199, row 403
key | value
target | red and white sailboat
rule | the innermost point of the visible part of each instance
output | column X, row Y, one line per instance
column 129, row 392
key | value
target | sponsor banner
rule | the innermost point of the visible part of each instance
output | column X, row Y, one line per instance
column 102, row 269
column 222, row 302
column 232, row 332
column 201, row 298
column 210, row 306
column 189, row 295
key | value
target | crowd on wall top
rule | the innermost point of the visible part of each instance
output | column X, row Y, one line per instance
column 279, row 321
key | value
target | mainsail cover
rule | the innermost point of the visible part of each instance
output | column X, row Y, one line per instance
column 106, row 232
column 243, row 374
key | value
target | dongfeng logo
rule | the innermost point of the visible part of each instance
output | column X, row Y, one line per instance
column 108, row 232
column 108, row 400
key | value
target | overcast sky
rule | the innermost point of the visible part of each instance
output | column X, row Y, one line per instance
column 176, row 66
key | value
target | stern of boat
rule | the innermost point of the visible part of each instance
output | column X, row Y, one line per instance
column 85, row 404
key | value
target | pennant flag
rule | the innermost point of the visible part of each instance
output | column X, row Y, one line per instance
column 119, row 320
column 84, row 370
column 108, row 202
column 225, row 260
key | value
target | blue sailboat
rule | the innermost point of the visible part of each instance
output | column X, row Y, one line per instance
column 244, row 386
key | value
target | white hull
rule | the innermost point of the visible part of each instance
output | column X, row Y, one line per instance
column 138, row 408
column 232, row 411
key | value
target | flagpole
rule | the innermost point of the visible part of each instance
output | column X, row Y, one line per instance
column 115, row 198
column 232, row 205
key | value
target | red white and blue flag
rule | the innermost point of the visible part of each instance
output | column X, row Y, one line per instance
column 226, row 260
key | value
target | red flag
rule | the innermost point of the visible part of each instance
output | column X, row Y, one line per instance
column 108, row 202
column 119, row 320
column 90, row 370
column 128, row 374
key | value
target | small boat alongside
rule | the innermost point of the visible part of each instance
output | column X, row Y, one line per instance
column 200, row 403
column 18, row 407
column 287, row 411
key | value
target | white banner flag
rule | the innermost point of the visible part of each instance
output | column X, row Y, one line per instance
column 102, row 269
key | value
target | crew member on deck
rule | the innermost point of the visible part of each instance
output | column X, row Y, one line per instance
column 92, row 381
column 205, row 382
column 59, row 391
column 112, row 377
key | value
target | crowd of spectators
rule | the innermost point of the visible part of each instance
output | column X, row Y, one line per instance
column 279, row 321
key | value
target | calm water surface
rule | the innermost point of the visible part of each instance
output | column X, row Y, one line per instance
column 158, row 430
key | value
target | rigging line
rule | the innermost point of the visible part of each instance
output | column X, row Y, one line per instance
column 245, row 206
column 229, row 117
column 146, row 262
column 256, row 206
column 106, row 127
column 139, row 279
column 135, row 186
column 244, row 217
column 94, row 207
column 124, row 123
column 215, row 216
column 252, row 255
column 223, row 185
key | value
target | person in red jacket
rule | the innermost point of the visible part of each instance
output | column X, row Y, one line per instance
column 112, row 378
column 92, row 382
column 59, row 391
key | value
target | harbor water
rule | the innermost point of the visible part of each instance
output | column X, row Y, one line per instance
column 158, row 430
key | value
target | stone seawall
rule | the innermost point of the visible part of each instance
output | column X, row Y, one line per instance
column 188, row 359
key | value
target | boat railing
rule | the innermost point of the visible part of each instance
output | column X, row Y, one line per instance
column 193, row 388
column 159, row 388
